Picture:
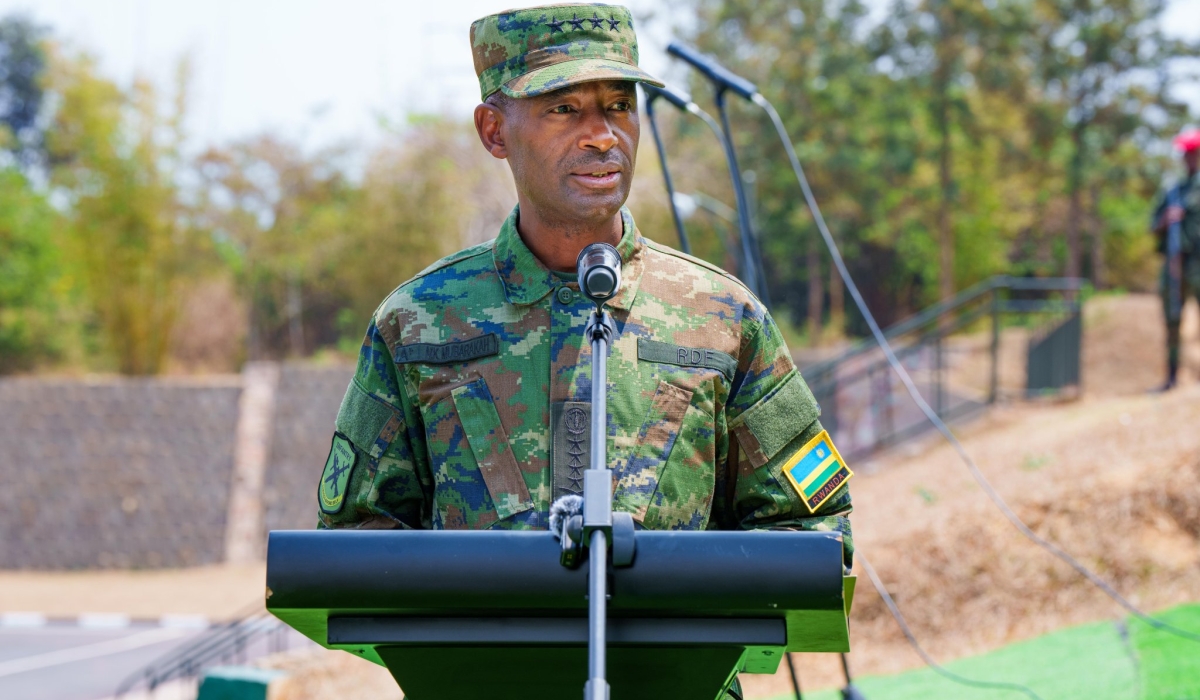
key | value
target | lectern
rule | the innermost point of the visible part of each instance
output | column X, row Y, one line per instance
column 493, row 615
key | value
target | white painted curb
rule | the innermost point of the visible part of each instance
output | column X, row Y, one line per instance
column 102, row 621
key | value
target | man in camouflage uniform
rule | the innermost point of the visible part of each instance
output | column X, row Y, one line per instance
column 470, row 407
column 1187, row 213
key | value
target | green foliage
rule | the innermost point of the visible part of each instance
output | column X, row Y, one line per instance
column 29, row 276
column 951, row 141
column 315, row 253
column 22, row 62
column 129, row 244
column 947, row 141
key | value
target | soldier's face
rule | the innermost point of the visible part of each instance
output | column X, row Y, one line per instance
column 572, row 151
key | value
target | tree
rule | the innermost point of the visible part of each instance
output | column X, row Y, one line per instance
column 951, row 54
column 315, row 252
column 31, row 332
column 1106, row 63
column 806, row 56
column 280, row 214
column 22, row 64
column 130, row 242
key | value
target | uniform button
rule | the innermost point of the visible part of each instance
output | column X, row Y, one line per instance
column 565, row 295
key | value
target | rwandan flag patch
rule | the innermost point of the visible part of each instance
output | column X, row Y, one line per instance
column 817, row 471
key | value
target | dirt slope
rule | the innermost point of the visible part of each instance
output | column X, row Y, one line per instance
column 1113, row 477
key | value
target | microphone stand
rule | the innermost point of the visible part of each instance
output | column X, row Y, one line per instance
column 597, row 506
column 722, row 81
column 599, row 272
column 653, row 93
column 750, row 250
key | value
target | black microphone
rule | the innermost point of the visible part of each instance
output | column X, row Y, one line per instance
column 599, row 271
column 680, row 100
column 722, row 76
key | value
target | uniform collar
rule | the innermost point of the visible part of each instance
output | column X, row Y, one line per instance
column 527, row 281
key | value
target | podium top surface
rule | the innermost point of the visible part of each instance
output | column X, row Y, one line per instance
column 315, row 575
column 455, row 571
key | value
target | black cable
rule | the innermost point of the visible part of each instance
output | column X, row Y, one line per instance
column 912, row 640
column 930, row 414
column 795, row 676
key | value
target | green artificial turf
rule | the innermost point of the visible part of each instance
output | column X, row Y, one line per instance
column 1091, row 662
column 1170, row 666
column 1082, row 663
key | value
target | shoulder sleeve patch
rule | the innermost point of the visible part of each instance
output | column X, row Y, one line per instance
column 366, row 421
column 769, row 425
column 331, row 492
column 816, row 471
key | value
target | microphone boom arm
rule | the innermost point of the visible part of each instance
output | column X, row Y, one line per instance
column 724, row 80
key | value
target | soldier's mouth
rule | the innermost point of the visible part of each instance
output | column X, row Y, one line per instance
column 599, row 178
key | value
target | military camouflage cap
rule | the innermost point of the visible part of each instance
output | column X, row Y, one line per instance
column 540, row 49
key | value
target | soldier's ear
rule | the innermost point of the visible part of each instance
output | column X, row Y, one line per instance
column 489, row 123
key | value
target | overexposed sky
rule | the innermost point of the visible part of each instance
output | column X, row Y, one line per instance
column 324, row 71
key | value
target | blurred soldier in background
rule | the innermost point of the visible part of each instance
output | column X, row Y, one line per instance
column 1176, row 225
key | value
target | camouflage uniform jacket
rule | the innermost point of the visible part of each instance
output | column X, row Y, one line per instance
column 470, row 404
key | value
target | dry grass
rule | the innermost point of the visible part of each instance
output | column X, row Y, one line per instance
column 1124, row 344
column 1113, row 480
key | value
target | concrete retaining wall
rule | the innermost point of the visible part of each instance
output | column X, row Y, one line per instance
column 137, row 473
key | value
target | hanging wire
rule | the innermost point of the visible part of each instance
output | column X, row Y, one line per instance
column 930, row 414
column 912, row 640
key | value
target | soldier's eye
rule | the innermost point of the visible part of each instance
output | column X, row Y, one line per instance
column 562, row 109
column 623, row 106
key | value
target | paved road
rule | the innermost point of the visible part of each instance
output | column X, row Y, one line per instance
column 73, row 663
column 81, row 663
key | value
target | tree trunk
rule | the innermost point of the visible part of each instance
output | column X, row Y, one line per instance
column 1097, row 225
column 1075, row 211
column 947, row 49
column 815, row 292
column 945, row 230
column 295, row 312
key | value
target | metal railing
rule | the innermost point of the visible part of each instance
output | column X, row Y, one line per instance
column 866, row 408
column 235, row 642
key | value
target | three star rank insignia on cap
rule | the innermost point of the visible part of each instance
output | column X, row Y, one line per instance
column 816, row 471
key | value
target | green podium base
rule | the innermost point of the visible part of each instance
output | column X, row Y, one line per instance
column 513, row 673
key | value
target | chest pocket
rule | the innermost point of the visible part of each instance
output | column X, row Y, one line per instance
column 668, row 480
column 477, row 480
